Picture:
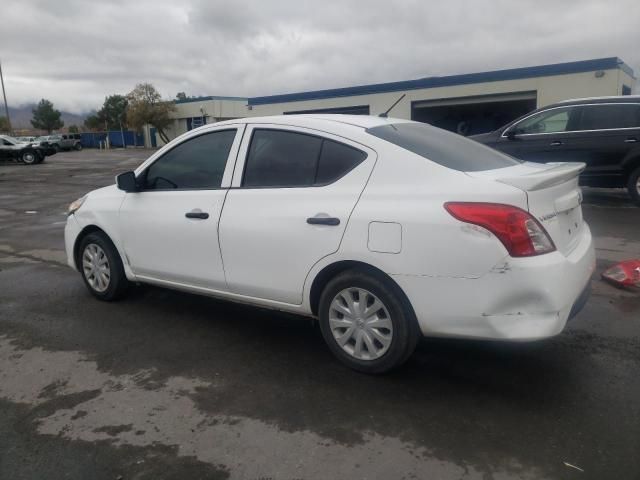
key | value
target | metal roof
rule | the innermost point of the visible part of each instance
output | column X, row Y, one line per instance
column 608, row 63
column 209, row 97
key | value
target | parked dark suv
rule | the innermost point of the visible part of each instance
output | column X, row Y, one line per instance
column 602, row 132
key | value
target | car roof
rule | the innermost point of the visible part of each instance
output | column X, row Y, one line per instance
column 319, row 120
column 610, row 99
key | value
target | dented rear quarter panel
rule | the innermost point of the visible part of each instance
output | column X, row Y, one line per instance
column 409, row 190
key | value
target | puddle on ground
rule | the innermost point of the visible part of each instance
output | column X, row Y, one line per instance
column 92, row 405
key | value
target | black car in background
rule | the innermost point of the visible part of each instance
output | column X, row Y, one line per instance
column 25, row 152
column 602, row 132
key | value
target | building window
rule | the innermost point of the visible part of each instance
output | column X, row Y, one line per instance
column 626, row 90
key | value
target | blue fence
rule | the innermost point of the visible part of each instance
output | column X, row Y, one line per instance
column 131, row 139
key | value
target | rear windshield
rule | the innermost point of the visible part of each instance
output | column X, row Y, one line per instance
column 446, row 148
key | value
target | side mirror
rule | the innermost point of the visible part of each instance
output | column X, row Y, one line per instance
column 512, row 133
column 127, row 181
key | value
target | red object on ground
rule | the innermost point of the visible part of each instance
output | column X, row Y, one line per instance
column 625, row 273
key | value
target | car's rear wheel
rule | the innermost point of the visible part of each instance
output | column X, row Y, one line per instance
column 78, row 146
column 366, row 322
column 634, row 186
column 29, row 157
column 101, row 267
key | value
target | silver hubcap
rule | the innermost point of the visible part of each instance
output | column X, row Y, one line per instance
column 360, row 324
column 638, row 185
column 95, row 266
column 29, row 158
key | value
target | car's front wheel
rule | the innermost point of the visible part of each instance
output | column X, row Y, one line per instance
column 366, row 322
column 634, row 186
column 29, row 157
column 101, row 267
column 78, row 146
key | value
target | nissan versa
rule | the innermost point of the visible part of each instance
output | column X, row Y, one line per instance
column 383, row 229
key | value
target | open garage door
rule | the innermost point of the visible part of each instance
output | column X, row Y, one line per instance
column 471, row 115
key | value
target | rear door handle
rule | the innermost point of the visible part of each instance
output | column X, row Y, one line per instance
column 197, row 214
column 556, row 143
column 333, row 221
column 631, row 140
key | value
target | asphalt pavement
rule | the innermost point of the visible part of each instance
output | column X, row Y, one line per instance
column 170, row 385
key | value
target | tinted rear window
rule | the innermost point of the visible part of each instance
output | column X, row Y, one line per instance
column 336, row 160
column 445, row 148
column 279, row 158
column 597, row 117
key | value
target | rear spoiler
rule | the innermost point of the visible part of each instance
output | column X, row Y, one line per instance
column 545, row 177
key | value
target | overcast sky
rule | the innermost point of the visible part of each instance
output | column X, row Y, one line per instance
column 75, row 52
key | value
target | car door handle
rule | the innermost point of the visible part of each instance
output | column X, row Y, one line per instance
column 196, row 214
column 631, row 140
column 333, row 221
column 556, row 143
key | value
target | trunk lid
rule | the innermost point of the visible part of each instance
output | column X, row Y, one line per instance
column 553, row 197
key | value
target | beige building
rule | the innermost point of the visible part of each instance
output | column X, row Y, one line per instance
column 467, row 103
column 194, row 112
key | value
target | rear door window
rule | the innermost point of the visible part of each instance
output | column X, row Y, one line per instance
column 336, row 160
column 610, row 116
column 280, row 158
column 445, row 148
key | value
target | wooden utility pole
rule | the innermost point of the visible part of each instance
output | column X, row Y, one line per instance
column 4, row 95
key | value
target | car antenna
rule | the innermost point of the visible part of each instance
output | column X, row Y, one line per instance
column 386, row 114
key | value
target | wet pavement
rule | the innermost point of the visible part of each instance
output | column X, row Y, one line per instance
column 171, row 385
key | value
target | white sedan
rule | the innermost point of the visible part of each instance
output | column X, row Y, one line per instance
column 382, row 229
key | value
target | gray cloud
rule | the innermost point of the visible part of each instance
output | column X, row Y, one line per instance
column 75, row 52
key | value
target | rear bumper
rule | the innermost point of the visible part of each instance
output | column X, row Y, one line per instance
column 581, row 301
column 519, row 299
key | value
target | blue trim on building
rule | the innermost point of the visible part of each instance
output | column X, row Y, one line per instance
column 210, row 97
column 451, row 80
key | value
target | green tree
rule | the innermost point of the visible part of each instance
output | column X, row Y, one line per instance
column 114, row 112
column 93, row 122
column 73, row 129
column 111, row 116
column 4, row 124
column 181, row 96
column 147, row 107
column 45, row 117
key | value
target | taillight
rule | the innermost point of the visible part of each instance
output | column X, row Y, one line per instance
column 519, row 232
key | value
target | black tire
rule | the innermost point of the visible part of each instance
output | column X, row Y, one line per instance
column 29, row 157
column 117, row 284
column 633, row 186
column 78, row 146
column 405, row 332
